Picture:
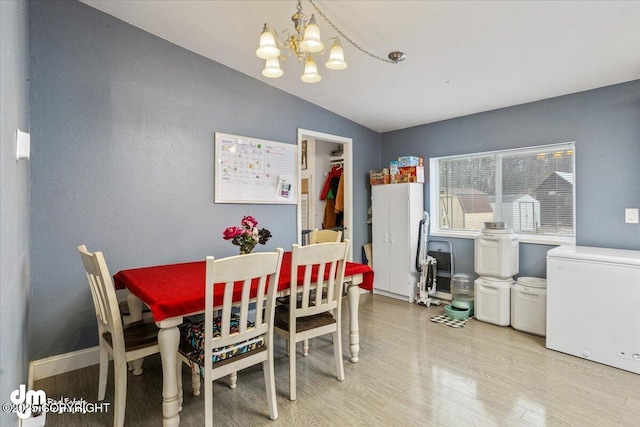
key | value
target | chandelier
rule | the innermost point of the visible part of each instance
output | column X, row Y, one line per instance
column 304, row 44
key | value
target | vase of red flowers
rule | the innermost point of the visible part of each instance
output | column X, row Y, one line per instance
column 248, row 235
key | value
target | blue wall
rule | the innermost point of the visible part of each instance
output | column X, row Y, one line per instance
column 15, row 287
column 123, row 143
column 605, row 125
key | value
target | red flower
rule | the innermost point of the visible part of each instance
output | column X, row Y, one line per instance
column 249, row 222
column 231, row 232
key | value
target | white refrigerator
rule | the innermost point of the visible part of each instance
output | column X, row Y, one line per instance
column 593, row 304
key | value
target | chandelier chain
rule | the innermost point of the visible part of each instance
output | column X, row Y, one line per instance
column 347, row 38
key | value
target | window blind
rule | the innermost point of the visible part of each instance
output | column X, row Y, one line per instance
column 532, row 190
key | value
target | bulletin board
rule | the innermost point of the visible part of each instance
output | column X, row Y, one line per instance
column 250, row 170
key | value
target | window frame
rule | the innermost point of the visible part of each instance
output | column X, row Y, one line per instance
column 434, row 193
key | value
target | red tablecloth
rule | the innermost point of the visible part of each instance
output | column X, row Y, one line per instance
column 178, row 289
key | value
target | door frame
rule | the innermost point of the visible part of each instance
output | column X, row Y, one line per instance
column 348, row 180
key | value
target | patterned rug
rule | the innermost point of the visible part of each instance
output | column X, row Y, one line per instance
column 450, row 322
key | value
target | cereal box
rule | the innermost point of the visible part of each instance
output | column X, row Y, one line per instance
column 410, row 161
column 411, row 174
column 378, row 177
column 393, row 167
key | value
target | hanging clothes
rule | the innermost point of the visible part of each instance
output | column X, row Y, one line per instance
column 339, row 208
column 330, row 218
column 330, row 191
column 331, row 183
column 340, row 195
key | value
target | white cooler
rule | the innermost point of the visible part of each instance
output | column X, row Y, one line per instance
column 529, row 305
column 493, row 300
column 496, row 254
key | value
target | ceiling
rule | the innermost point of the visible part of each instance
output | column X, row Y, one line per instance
column 463, row 57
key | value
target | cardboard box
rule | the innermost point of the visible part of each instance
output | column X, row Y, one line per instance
column 378, row 177
column 411, row 174
column 410, row 161
column 393, row 167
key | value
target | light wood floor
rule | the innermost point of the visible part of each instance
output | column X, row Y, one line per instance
column 412, row 372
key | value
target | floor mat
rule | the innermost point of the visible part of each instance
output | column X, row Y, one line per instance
column 450, row 322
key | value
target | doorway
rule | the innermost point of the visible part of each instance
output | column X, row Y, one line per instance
column 308, row 140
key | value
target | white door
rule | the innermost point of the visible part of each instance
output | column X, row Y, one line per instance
column 399, row 244
column 527, row 219
column 381, row 236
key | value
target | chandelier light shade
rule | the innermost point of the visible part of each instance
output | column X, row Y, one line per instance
column 336, row 57
column 272, row 70
column 304, row 43
column 268, row 48
column 311, row 41
column 310, row 71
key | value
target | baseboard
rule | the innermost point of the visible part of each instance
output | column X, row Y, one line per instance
column 404, row 298
column 62, row 363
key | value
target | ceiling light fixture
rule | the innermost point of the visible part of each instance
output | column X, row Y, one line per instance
column 304, row 43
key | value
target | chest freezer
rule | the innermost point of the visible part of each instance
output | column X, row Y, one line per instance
column 593, row 304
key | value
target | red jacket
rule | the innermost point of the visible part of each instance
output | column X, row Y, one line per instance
column 335, row 172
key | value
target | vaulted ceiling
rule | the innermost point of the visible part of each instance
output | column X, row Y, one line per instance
column 463, row 57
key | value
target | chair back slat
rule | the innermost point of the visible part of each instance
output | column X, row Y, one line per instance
column 320, row 282
column 260, row 299
column 244, row 305
column 306, row 287
column 331, row 289
column 227, row 304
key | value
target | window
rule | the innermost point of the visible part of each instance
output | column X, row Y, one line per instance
column 532, row 190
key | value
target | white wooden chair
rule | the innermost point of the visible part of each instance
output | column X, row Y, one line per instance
column 131, row 342
column 325, row 236
column 316, row 313
column 316, row 236
column 224, row 345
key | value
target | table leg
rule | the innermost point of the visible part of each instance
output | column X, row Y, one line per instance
column 353, row 296
column 135, row 307
column 135, row 314
column 179, row 379
column 168, row 338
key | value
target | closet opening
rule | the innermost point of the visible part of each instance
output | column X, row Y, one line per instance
column 326, row 185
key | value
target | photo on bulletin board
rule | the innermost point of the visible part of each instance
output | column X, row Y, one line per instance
column 251, row 170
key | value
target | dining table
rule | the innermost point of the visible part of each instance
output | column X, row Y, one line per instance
column 174, row 291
